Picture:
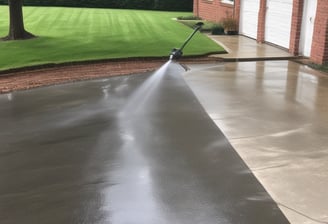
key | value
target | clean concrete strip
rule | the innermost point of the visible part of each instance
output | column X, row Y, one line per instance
column 275, row 114
column 241, row 48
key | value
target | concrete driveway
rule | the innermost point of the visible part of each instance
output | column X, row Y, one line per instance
column 275, row 114
column 110, row 151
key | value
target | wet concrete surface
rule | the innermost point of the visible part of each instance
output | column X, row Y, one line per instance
column 241, row 48
column 69, row 155
column 275, row 114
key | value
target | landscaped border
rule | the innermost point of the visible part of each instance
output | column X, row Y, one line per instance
column 65, row 73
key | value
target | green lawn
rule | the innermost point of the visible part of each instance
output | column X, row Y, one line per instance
column 77, row 34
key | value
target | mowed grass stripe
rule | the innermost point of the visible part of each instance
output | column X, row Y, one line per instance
column 79, row 34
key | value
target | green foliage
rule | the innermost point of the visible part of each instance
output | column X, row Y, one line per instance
column 80, row 34
column 207, row 27
column 217, row 29
column 176, row 5
column 167, row 5
column 229, row 23
column 188, row 17
column 323, row 68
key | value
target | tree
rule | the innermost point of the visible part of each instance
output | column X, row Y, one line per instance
column 16, row 22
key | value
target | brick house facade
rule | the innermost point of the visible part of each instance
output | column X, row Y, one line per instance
column 216, row 10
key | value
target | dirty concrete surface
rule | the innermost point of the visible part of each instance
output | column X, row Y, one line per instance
column 69, row 155
column 275, row 114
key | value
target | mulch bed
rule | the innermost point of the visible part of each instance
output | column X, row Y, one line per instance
column 28, row 78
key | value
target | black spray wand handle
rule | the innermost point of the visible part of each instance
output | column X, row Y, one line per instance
column 176, row 53
column 198, row 26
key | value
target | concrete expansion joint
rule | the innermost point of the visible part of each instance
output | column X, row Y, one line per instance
column 259, row 59
column 302, row 214
column 249, row 137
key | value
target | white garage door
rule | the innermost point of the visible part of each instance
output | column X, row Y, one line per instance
column 278, row 22
column 309, row 13
column 249, row 10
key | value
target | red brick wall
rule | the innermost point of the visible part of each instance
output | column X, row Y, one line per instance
column 213, row 10
column 195, row 8
column 319, row 52
column 295, row 32
column 237, row 10
column 261, row 22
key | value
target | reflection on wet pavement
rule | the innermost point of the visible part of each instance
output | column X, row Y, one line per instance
column 68, row 155
column 275, row 114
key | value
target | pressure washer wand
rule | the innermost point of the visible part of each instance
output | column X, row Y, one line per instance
column 198, row 26
column 177, row 53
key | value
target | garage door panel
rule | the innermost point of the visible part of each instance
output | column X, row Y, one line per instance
column 278, row 22
column 249, row 17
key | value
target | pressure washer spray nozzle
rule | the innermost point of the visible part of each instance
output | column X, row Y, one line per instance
column 199, row 25
column 176, row 53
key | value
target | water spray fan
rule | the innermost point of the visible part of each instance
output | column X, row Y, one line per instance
column 176, row 53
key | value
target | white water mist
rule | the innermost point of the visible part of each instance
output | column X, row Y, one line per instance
column 142, row 95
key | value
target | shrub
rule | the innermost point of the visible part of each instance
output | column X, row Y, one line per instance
column 190, row 17
column 217, row 29
column 207, row 27
column 229, row 24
